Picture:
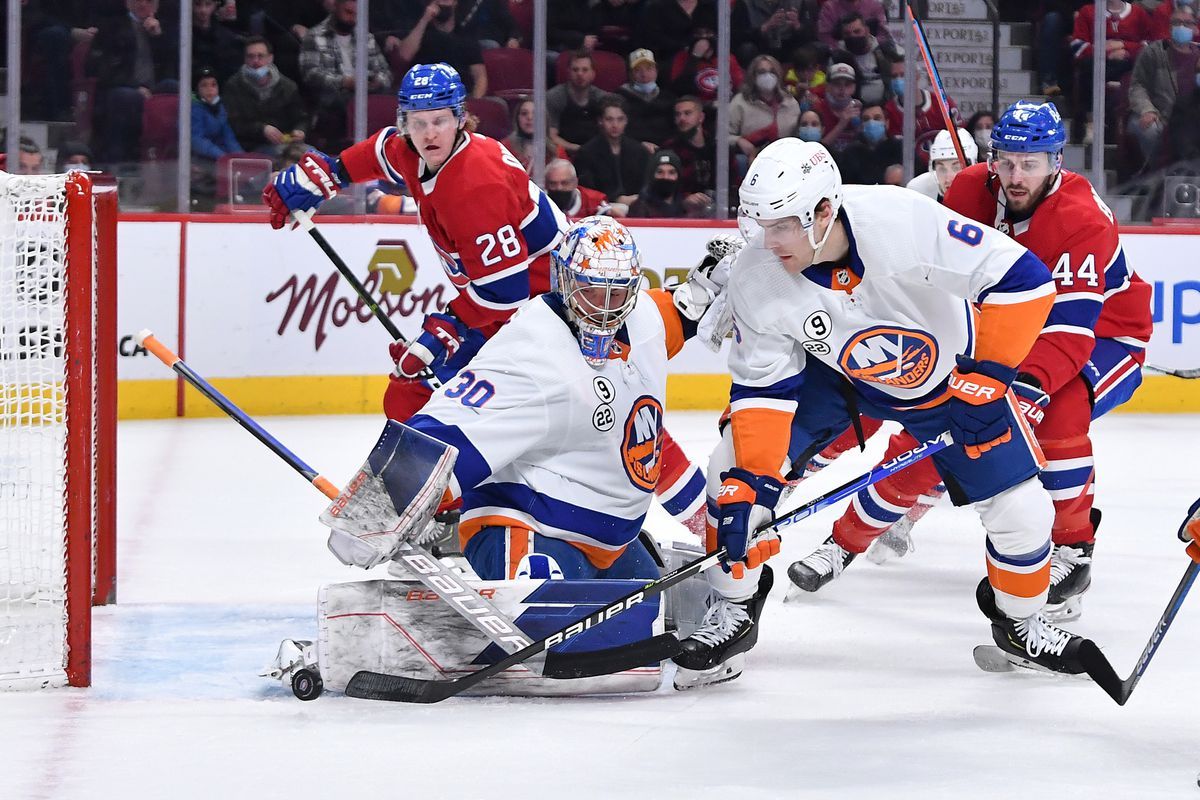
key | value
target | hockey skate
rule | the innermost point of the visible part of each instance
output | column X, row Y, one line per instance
column 715, row 652
column 820, row 566
column 1033, row 643
column 897, row 541
column 1070, row 576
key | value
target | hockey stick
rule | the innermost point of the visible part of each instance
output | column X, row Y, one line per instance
column 1188, row 374
column 1099, row 667
column 475, row 608
column 304, row 220
column 935, row 80
column 398, row 688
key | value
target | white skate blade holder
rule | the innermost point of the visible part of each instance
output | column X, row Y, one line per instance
column 990, row 658
column 726, row 671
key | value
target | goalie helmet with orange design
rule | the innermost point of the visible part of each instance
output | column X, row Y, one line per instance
column 596, row 272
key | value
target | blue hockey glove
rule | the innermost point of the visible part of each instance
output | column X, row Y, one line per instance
column 745, row 502
column 301, row 187
column 978, row 409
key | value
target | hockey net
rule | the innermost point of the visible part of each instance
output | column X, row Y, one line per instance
column 57, row 423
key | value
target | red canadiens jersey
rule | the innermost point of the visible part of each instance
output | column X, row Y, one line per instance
column 492, row 227
column 1075, row 235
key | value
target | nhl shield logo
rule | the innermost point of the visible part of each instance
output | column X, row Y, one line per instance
column 641, row 446
column 898, row 357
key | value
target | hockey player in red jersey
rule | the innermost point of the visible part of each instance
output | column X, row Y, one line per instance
column 492, row 227
column 1086, row 361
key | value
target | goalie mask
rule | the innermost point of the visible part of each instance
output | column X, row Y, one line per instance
column 596, row 272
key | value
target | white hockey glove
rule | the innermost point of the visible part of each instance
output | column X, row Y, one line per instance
column 707, row 280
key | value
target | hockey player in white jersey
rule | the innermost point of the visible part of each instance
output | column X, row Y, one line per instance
column 558, row 419
column 877, row 300
column 944, row 164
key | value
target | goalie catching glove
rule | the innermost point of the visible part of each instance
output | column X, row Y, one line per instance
column 746, row 502
column 302, row 187
column 701, row 297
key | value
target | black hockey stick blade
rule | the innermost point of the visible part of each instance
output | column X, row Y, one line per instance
column 592, row 663
column 1098, row 668
column 1102, row 672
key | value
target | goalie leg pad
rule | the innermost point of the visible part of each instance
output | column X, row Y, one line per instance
column 496, row 553
column 401, row 628
column 392, row 498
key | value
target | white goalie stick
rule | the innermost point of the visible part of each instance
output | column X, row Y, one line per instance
column 1188, row 374
column 429, row 570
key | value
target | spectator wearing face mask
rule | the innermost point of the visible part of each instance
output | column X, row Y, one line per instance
column 772, row 27
column 833, row 11
column 695, row 70
column 264, row 106
column 980, row 125
column 74, row 156
column 871, row 61
column 840, row 111
column 212, row 137
column 660, row 198
column 809, row 128
column 761, row 111
column 929, row 114
column 563, row 189
column 651, row 108
column 867, row 159
column 1161, row 74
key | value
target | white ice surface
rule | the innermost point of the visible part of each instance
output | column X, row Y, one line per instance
column 865, row 690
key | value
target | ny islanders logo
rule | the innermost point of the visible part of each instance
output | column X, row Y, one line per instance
column 898, row 357
column 641, row 446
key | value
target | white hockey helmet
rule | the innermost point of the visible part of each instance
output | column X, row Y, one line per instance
column 790, row 178
column 596, row 271
column 943, row 146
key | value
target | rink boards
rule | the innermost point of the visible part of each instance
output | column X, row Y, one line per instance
column 265, row 316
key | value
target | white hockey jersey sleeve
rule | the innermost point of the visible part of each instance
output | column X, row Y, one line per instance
column 1012, row 288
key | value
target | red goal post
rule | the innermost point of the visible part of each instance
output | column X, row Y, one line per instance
column 58, row 349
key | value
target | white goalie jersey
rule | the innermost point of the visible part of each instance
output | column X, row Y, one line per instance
column 892, row 318
column 547, row 442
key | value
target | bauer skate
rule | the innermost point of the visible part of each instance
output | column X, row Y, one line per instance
column 820, row 566
column 1032, row 643
column 715, row 652
column 1070, row 576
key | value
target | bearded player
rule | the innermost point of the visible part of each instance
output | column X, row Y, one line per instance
column 1086, row 361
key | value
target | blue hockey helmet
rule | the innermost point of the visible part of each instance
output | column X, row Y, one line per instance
column 431, row 86
column 1026, row 127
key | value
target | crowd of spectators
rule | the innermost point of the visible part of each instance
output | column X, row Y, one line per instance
column 270, row 77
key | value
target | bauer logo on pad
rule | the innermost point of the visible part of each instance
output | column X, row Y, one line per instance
column 898, row 357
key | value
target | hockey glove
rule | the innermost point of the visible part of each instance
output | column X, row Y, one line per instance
column 1031, row 398
column 707, row 279
column 980, row 417
column 301, row 187
column 441, row 336
column 1189, row 531
column 745, row 502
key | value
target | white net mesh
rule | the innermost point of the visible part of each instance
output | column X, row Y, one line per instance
column 33, row 430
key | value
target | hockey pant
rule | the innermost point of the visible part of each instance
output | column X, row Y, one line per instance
column 1015, row 510
column 1108, row 379
column 496, row 553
